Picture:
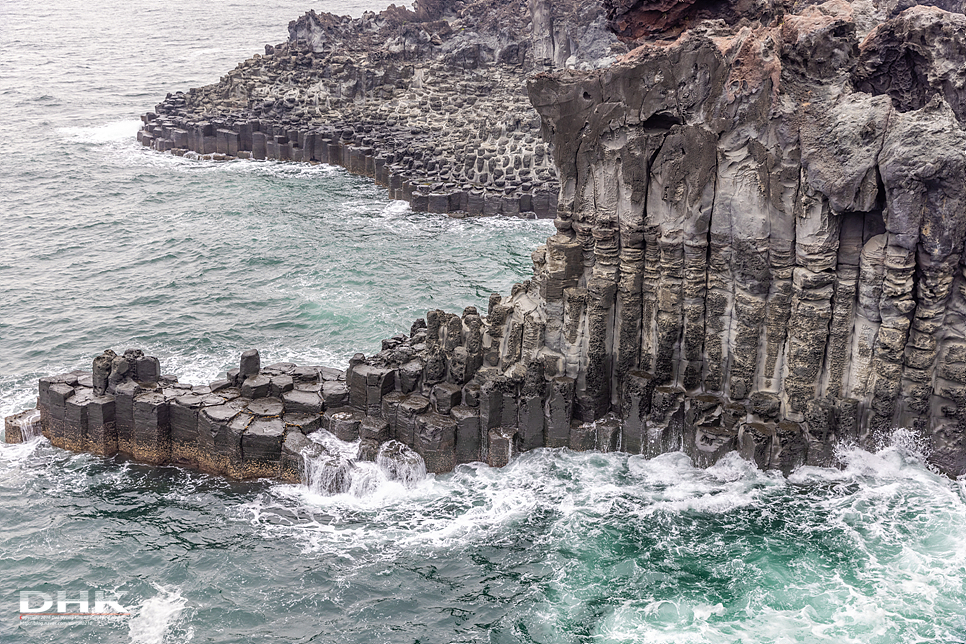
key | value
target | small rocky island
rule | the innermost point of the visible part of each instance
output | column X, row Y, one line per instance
column 760, row 211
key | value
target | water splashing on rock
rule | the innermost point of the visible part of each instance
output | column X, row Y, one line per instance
column 25, row 425
column 399, row 463
column 325, row 472
column 332, row 466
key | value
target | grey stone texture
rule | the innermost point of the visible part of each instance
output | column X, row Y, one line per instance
column 760, row 226
column 430, row 103
column 770, row 217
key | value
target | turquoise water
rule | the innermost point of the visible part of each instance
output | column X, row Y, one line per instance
column 104, row 244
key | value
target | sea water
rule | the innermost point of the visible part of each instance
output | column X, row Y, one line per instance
column 104, row 244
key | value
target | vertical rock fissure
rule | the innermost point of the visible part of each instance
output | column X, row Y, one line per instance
column 707, row 264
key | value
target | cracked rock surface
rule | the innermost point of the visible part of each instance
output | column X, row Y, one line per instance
column 768, row 212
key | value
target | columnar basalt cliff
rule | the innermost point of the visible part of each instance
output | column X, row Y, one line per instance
column 760, row 231
column 764, row 223
column 431, row 104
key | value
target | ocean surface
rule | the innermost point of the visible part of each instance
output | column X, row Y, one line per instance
column 104, row 244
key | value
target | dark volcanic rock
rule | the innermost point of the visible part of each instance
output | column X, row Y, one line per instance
column 102, row 371
column 759, row 237
column 430, row 103
column 790, row 230
column 262, row 445
column 250, row 364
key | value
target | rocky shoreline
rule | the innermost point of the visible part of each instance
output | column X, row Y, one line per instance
column 524, row 183
column 761, row 222
column 429, row 103
column 403, row 406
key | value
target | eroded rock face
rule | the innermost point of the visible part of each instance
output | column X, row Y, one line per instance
column 768, row 208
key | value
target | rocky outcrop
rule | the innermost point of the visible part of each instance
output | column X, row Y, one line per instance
column 279, row 421
column 768, row 217
column 760, row 230
column 430, row 103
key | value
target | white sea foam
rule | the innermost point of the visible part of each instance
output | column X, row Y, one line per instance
column 854, row 577
column 156, row 616
column 16, row 395
column 661, row 621
column 673, row 485
column 16, row 454
column 29, row 425
column 924, row 561
column 472, row 504
column 395, row 209
column 280, row 169
column 901, row 455
column 106, row 133
column 133, row 154
column 203, row 367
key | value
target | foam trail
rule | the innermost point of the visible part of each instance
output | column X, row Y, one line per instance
column 116, row 131
column 156, row 616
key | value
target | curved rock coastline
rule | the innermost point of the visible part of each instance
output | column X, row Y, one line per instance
column 431, row 104
column 760, row 231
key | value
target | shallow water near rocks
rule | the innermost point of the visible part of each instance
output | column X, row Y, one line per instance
column 104, row 244
column 557, row 547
